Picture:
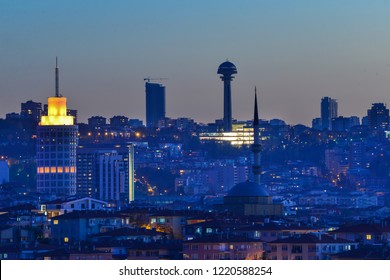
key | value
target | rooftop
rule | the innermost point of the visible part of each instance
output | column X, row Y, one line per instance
column 311, row 239
column 248, row 188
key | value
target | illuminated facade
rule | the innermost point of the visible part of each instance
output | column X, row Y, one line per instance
column 241, row 135
column 57, row 138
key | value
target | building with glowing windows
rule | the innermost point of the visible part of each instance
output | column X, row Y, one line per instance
column 106, row 172
column 241, row 134
column 57, row 138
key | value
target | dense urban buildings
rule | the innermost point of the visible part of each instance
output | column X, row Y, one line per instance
column 114, row 188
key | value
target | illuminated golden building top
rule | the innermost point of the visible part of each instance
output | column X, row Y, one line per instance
column 57, row 114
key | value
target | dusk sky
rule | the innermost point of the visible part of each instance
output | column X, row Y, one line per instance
column 295, row 52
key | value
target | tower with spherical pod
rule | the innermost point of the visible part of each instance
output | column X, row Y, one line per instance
column 226, row 70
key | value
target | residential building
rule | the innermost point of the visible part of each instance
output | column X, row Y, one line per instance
column 308, row 247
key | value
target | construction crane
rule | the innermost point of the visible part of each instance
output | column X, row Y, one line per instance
column 148, row 79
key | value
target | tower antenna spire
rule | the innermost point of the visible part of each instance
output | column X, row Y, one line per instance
column 57, row 79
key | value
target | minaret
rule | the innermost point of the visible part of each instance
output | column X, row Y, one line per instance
column 256, row 147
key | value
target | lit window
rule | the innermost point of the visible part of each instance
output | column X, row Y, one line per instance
column 53, row 169
column 66, row 239
column 55, row 222
column 368, row 237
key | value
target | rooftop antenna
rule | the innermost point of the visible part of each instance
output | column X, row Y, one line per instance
column 148, row 79
column 57, row 79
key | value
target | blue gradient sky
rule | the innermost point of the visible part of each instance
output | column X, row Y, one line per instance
column 294, row 51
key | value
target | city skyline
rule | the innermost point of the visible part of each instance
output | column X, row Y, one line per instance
column 295, row 53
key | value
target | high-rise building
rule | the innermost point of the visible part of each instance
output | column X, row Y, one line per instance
column 328, row 112
column 135, row 123
column 12, row 116
column 31, row 110
column 344, row 123
column 316, row 124
column 354, row 120
column 73, row 113
column 227, row 70
column 119, row 121
column 106, row 172
column 155, row 103
column 378, row 116
column 4, row 172
column 97, row 122
column 356, row 155
column 57, row 138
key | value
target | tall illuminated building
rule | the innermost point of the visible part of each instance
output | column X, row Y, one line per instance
column 106, row 172
column 155, row 103
column 57, row 138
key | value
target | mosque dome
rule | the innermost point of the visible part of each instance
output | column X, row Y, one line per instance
column 246, row 189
